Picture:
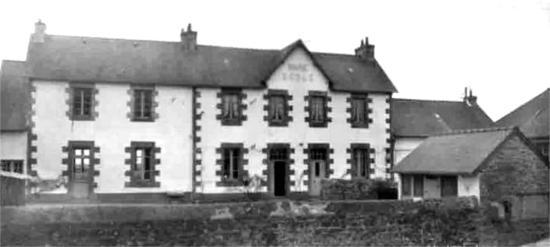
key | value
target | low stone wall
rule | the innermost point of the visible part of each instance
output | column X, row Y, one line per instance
column 280, row 223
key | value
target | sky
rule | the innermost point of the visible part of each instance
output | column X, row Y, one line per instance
column 429, row 49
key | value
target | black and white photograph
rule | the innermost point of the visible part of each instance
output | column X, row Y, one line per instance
column 275, row 123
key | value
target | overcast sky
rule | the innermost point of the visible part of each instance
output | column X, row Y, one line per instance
column 429, row 49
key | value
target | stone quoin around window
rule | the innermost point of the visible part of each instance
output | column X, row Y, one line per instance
column 317, row 109
column 143, row 162
column 230, row 164
column 359, row 110
column 231, row 107
column 361, row 161
column 142, row 103
column 277, row 108
column 82, row 102
column 76, row 165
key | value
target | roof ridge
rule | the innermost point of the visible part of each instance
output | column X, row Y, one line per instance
column 428, row 100
column 479, row 130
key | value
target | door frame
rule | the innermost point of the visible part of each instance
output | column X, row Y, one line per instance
column 309, row 161
column 271, row 163
column 70, row 166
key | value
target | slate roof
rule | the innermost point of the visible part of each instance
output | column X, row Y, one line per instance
column 455, row 153
column 137, row 61
column 14, row 97
column 422, row 118
column 532, row 117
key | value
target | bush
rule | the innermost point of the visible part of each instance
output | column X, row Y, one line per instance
column 358, row 189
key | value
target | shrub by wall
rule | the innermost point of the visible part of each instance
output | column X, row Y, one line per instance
column 358, row 189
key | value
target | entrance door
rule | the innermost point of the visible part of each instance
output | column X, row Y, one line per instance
column 280, row 178
column 317, row 173
column 449, row 186
column 81, row 158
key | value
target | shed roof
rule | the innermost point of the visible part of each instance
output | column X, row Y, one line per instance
column 459, row 152
column 15, row 96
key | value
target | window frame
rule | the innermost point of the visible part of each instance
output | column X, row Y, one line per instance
column 148, row 92
column 240, row 107
column 73, row 89
column 326, row 109
column 287, row 108
column 241, row 162
column 136, row 176
column 367, row 119
column 356, row 169
column 413, row 179
column 12, row 165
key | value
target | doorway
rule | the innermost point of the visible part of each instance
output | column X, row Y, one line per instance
column 449, row 186
column 81, row 170
column 279, row 170
column 280, row 178
column 317, row 169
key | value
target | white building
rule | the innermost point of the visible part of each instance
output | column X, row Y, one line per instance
column 133, row 120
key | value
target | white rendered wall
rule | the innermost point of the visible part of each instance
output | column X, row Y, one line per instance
column 255, row 133
column 468, row 186
column 112, row 131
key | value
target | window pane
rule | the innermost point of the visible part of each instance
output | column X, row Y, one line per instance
column 317, row 110
column 277, row 107
column 418, row 185
column 18, row 166
column 78, row 161
column 139, row 153
column 358, row 110
column 406, row 185
column 226, row 163
column 86, row 161
column 86, row 152
column 317, row 169
column 6, row 166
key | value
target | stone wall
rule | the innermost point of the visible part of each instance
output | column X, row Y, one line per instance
column 512, row 174
column 278, row 223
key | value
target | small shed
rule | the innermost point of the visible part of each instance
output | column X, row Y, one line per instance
column 495, row 165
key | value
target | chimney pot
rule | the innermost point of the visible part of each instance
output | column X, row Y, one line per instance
column 365, row 51
column 188, row 39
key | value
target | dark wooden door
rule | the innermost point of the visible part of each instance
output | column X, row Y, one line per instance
column 449, row 186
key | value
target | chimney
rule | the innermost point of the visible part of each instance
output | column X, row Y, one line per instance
column 39, row 32
column 188, row 39
column 365, row 51
column 469, row 99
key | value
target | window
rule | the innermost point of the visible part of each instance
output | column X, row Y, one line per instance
column 231, row 157
column 406, row 185
column 142, row 171
column 418, row 185
column 82, row 157
column 317, row 109
column 359, row 111
column 143, row 105
column 82, row 103
column 412, row 183
column 231, row 107
column 12, row 166
column 231, row 162
column 278, row 108
column 361, row 162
